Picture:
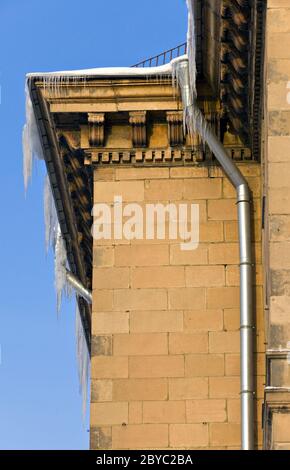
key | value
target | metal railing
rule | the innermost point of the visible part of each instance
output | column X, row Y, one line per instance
column 164, row 57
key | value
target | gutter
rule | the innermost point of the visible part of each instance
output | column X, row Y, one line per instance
column 196, row 122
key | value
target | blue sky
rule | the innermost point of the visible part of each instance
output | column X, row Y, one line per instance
column 40, row 405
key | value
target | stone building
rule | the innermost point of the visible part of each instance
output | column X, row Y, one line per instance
column 163, row 327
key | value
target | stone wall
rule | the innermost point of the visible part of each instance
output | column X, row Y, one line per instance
column 165, row 326
column 277, row 236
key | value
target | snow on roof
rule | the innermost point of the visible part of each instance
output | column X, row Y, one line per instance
column 111, row 71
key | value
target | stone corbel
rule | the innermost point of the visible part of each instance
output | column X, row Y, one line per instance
column 137, row 120
column 96, row 123
column 175, row 127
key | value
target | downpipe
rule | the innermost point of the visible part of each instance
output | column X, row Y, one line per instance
column 78, row 286
column 246, row 262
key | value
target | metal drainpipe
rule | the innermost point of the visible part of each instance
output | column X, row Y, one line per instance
column 246, row 262
column 78, row 286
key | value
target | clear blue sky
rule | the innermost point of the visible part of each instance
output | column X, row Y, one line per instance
column 40, row 405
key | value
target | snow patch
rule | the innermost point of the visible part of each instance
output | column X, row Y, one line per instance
column 103, row 72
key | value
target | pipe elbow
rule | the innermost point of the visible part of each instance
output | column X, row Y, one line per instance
column 243, row 192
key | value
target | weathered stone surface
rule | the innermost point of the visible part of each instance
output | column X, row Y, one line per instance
column 278, row 70
column 279, row 123
column 101, row 390
column 280, row 282
column 280, row 310
column 281, row 425
column 101, row 345
column 279, row 228
column 100, row 438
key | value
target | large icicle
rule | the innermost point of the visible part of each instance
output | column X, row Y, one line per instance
column 60, row 265
column 192, row 117
column 30, row 139
column 190, row 114
column 50, row 216
column 191, row 46
column 83, row 358
column 54, row 238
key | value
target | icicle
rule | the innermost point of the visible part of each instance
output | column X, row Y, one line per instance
column 54, row 237
column 60, row 265
column 83, row 359
column 195, row 122
column 27, row 157
column 191, row 46
column 193, row 119
column 190, row 115
column 179, row 78
column 30, row 139
column 50, row 216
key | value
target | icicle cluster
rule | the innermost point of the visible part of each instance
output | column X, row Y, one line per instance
column 53, row 237
column 30, row 139
column 54, row 82
column 65, row 77
column 83, row 359
column 32, row 149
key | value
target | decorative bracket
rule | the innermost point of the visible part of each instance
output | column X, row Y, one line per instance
column 137, row 120
column 96, row 129
column 175, row 127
